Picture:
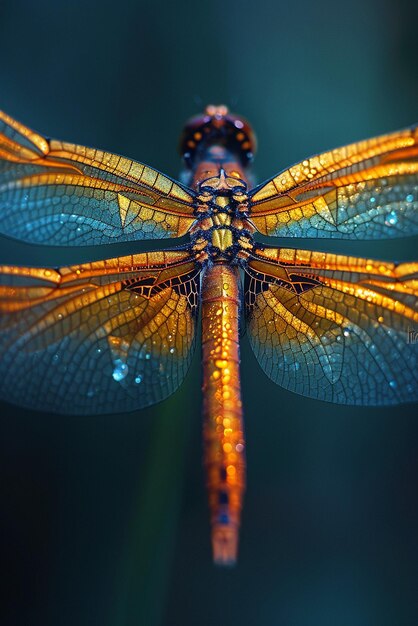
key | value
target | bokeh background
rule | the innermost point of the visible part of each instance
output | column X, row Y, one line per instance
column 104, row 519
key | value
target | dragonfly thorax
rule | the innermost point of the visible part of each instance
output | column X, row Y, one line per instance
column 223, row 231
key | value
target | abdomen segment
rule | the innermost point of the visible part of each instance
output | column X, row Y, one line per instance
column 224, row 456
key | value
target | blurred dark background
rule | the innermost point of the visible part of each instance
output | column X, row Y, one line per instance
column 104, row 519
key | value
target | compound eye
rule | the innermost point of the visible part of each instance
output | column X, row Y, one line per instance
column 244, row 134
column 216, row 126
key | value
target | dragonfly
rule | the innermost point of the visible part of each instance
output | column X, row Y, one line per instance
column 118, row 334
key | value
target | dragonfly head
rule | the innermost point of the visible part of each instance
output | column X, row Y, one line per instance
column 217, row 126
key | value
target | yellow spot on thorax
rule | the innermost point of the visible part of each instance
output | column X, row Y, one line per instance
column 222, row 238
column 221, row 219
column 222, row 201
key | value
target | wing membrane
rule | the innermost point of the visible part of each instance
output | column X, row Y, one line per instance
column 367, row 190
column 103, row 337
column 332, row 327
column 59, row 193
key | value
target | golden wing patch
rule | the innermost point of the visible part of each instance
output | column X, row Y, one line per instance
column 103, row 337
column 334, row 327
column 367, row 190
column 58, row 193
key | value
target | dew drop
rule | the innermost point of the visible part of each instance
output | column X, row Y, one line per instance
column 393, row 384
column 121, row 370
column 391, row 219
column 409, row 198
column 172, row 350
column 138, row 379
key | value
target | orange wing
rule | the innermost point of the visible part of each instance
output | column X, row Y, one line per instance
column 61, row 194
column 333, row 327
column 102, row 337
column 367, row 190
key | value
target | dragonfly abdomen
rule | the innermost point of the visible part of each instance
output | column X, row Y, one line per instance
column 224, row 456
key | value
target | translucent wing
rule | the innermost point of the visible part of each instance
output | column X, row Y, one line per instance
column 61, row 194
column 332, row 327
column 367, row 190
column 103, row 337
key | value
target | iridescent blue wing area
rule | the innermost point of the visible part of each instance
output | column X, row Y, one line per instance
column 367, row 190
column 102, row 337
column 61, row 194
column 333, row 327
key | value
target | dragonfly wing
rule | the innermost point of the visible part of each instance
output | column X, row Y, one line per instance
column 102, row 337
column 62, row 194
column 333, row 327
column 367, row 190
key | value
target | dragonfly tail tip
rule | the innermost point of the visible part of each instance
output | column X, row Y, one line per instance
column 225, row 545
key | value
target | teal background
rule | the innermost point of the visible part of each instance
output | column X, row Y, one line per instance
column 104, row 519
